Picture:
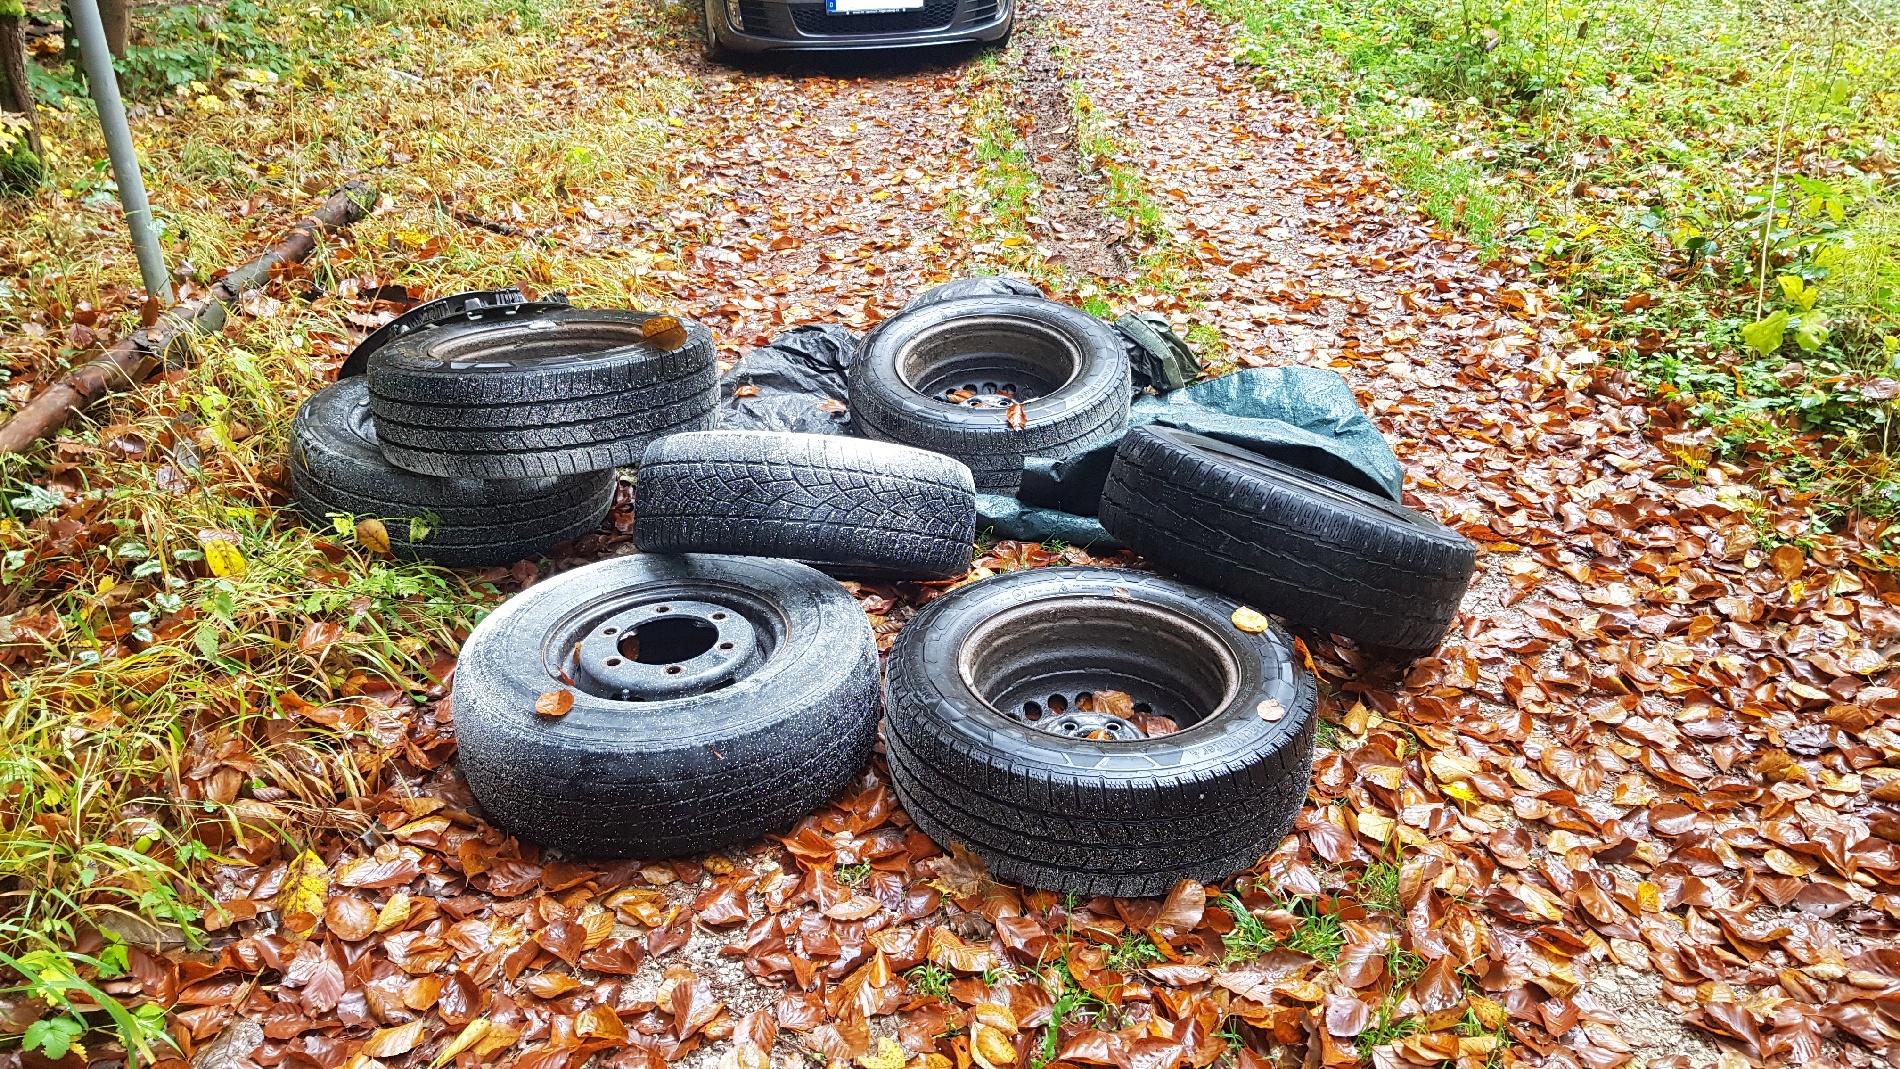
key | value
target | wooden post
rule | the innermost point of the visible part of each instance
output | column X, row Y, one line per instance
column 117, row 16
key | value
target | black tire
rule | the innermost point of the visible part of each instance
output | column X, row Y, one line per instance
column 337, row 468
column 1069, row 365
column 1314, row 550
column 711, row 48
column 744, row 743
column 852, row 506
column 1127, row 816
column 562, row 393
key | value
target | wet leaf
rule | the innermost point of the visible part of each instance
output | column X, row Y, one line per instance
column 887, row 1056
column 390, row 1042
column 373, row 536
column 222, row 555
column 554, row 703
column 302, row 900
column 350, row 918
column 664, row 332
column 466, row 1038
column 1252, row 621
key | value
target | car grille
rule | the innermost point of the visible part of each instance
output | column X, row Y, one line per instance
column 812, row 18
column 980, row 11
column 752, row 14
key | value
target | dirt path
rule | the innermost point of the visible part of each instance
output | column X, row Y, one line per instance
column 819, row 194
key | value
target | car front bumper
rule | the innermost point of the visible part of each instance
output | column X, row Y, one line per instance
column 779, row 25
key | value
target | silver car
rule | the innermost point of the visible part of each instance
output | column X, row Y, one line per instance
column 832, row 25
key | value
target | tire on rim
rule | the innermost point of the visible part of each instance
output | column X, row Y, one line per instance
column 994, row 690
column 945, row 377
column 851, row 506
column 337, row 468
column 1314, row 550
column 562, row 393
column 715, row 699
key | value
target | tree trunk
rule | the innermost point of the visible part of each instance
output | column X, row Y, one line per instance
column 117, row 16
column 20, row 161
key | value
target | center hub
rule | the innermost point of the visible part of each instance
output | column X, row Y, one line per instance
column 669, row 649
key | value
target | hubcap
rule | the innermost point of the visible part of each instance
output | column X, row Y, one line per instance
column 1087, row 725
column 669, row 649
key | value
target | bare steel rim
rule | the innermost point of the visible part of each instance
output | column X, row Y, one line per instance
column 664, row 641
column 531, row 341
column 988, row 361
column 1055, row 664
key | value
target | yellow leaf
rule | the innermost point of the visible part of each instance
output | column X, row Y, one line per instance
column 306, row 887
column 1491, row 1015
column 994, row 1014
column 389, row 1042
column 221, row 553
column 889, row 1055
column 598, row 924
column 373, row 536
column 395, row 913
column 1252, row 621
column 1648, row 897
column 665, row 332
column 476, row 1029
column 600, row 1022
column 499, row 1037
column 991, row 1047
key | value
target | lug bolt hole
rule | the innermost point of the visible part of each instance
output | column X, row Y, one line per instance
column 674, row 669
column 663, row 608
column 613, row 662
column 609, row 630
column 725, row 645
column 719, row 616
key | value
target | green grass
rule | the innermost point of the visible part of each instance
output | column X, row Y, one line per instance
column 129, row 660
column 1159, row 262
column 852, row 875
column 1402, row 968
column 1378, row 887
column 1135, row 951
column 1643, row 158
column 1316, row 934
column 930, row 980
column 147, row 658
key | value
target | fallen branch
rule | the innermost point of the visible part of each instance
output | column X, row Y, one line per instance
column 134, row 357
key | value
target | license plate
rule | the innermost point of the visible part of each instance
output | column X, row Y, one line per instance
column 870, row 7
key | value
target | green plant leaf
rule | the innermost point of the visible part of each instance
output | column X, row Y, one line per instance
column 1810, row 332
column 1766, row 336
column 52, row 1036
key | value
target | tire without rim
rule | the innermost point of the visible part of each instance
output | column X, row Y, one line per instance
column 336, row 467
column 1113, row 816
column 737, row 743
column 563, row 393
column 852, row 506
column 1066, row 368
column 1311, row 549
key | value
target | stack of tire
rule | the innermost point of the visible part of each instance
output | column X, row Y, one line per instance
column 482, row 428
column 1099, row 730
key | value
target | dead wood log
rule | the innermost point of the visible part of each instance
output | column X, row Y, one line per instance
column 134, row 357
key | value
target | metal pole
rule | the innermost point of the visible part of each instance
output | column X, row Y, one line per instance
column 104, row 83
